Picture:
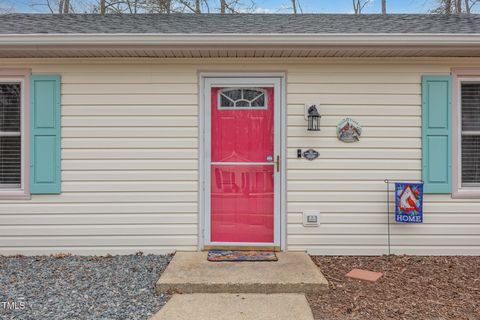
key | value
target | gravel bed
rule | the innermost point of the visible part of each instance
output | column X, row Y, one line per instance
column 74, row 287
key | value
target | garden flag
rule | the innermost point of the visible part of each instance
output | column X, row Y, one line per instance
column 409, row 202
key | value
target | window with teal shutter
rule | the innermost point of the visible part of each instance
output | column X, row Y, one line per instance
column 45, row 134
column 436, row 134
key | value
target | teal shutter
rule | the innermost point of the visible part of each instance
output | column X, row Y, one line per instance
column 436, row 134
column 45, row 134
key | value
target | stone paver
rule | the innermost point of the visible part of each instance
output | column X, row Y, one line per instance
column 364, row 275
column 220, row 306
column 190, row 272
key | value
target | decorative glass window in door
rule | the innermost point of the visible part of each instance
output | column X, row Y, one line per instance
column 242, row 98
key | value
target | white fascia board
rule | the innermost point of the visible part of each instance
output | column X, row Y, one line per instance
column 240, row 39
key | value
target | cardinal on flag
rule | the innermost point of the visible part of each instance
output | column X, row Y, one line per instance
column 409, row 202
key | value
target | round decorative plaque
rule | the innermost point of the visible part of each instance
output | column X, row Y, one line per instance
column 349, row 130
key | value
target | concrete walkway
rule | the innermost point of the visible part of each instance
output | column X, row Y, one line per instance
column 239, row 290
column 241, row 306
column 190, row 272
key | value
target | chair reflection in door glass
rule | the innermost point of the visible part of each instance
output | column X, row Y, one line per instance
column 251, row 182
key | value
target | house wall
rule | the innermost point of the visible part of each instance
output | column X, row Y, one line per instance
column 130, row 159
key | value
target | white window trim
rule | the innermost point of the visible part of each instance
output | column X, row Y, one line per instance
column 460, row 75
column 23, row 77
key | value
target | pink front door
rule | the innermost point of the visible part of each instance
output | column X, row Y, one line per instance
column 242, row 165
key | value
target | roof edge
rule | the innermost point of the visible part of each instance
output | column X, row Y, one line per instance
column 382, row 39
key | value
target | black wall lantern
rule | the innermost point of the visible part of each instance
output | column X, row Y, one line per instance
column 313, row 117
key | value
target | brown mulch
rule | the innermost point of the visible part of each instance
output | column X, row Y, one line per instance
column 411, row 287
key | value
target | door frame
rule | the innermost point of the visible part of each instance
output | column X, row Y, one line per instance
column 206, row 81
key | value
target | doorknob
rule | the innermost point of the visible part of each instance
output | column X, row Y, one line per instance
column 278, row 163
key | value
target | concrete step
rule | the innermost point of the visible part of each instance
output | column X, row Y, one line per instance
column 240, row 306
column 190, row 272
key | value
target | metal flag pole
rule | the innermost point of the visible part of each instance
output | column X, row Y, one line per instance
column 388, row 214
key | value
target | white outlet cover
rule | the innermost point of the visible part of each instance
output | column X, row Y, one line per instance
column 311, row 218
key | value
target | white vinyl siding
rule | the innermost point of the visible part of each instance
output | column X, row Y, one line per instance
column 346, row 184
column 129, row 166
column 130, row 159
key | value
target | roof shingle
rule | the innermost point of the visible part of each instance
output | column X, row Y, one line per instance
column 239, row 24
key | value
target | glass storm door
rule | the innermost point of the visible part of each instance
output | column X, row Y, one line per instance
column 243, row 164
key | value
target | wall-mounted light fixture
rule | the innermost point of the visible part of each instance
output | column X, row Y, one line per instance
column 313, row 117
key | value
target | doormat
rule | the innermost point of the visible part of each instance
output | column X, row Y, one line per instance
column 238, row 255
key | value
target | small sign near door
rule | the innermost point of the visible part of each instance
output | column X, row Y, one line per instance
column 311, row 154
